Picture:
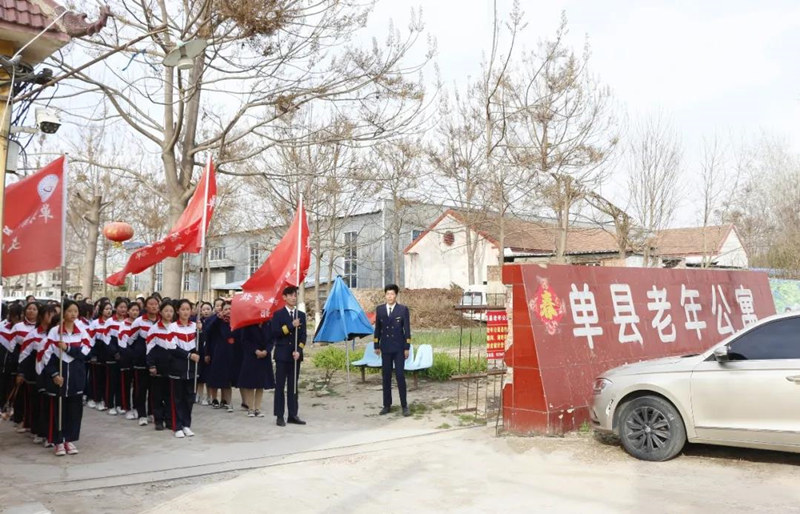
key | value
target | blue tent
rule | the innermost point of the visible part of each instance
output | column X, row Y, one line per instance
column 343, row 319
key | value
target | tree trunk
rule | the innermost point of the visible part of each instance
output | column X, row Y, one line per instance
column 93, row 226
column 470, row 257
column 105, row 268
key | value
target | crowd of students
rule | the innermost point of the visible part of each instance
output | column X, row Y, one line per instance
column 140, row 359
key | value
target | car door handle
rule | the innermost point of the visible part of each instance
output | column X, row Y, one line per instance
column 795, row 379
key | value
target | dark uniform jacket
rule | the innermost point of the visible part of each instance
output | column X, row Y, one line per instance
column 283, row 334
column 392, row 333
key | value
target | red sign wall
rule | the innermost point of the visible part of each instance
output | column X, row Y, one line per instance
column 496, row 332
column 571, row 323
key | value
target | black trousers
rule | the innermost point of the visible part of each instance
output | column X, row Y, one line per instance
column 398, row 360
column 97, row 382
column 181, row 395
column 43, row 421
column 112, row 389
column 20, row 403
column 159, row 394
column 125, row 376
column 50, row 416
column 32, row 407
column 71, row 414
column 141, row 385
column 6, row 386
column 284, row 379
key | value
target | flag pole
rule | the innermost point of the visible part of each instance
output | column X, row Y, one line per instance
column 201, row 274
column 297, row 281
column 65, row 178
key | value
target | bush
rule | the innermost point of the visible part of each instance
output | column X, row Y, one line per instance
column 445, row 366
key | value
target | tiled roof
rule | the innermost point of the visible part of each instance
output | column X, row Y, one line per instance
column 534, row 236
column 24, row 13
column 691, row 241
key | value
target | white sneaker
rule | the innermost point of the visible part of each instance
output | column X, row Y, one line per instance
column 188, row 431
column 60, row 450
column 101, row 406
column 91, row 404
column 71, row 449
column 48, row 444
column 142, row 422
column 179, row 434
column 38, row 440
column 204, row 402
column 131, row 414
column 112, row 411
column 150, row 418
column 22, row 430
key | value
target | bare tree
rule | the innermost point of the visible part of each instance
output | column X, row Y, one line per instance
column 458, row 159
column 654, row 173
column 564, row 131
column 265, row 60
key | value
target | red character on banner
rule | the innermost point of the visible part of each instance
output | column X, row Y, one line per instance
column 547, row 306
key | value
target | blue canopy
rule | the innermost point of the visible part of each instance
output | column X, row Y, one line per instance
column 343, row 318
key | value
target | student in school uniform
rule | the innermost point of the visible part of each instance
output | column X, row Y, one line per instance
column 256, row 373
column 100, row 329
column 113, row 389
column 67, row 348
column 46, row 413
column 137, row 343
column 23, row 408
column 9, row 357
column 158, row 341
column 205, row 311
column 126, row 361
column 220, row 342
column 184, row 356
column 288, row 327
column 33, row 342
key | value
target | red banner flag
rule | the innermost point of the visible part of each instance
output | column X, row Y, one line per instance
column 287, row 265
column 186, row 235
column 33, row 221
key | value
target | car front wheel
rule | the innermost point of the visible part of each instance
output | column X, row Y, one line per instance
column 651, row 428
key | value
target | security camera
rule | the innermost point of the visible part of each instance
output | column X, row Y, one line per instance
column 47, row 120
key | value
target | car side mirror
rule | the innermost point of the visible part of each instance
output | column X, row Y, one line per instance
column 721, row 354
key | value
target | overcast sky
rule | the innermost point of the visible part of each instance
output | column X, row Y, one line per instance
column 725, row 67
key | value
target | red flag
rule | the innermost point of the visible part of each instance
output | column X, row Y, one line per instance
column 33, row 221
column 186, row 235
column 287, row 265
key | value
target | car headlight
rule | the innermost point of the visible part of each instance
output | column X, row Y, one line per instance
column 600, row 384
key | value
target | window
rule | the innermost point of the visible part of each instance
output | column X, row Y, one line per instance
column 186, row 272
column 159, row 285
column 55, row 276
column 448, row 238
column 136, row 283
column 217, row 253
column 351, row 259
column 415, row 234
column 779, row 339
column 255, row 258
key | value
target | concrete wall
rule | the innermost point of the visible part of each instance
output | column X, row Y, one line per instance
column 732, row 254
column 432, row 263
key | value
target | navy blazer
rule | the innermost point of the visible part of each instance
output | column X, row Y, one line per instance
column 283, row 332
column 392, row 334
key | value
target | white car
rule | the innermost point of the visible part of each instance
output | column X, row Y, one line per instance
column 744, row 391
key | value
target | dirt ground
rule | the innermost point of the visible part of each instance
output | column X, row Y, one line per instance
column 349, row 459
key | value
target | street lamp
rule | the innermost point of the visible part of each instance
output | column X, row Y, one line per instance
column 184, row 53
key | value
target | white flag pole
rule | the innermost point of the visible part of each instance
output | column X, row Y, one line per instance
column 201, row 277
column 64, row 178
column 297, row 281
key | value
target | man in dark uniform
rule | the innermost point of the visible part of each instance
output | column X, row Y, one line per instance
column 392, row 342
column 288, row 325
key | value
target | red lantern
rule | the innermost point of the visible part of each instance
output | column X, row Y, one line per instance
column 118, row 231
